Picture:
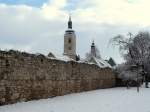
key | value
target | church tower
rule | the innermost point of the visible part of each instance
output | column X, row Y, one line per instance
column 70, row 41
column 93, row 49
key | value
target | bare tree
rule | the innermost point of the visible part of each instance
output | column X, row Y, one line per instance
column 134, row 49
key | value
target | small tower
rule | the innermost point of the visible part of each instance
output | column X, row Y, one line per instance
column 70, row 41
column 93, row 49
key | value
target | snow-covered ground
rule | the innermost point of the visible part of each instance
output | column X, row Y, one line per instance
column 104, row 100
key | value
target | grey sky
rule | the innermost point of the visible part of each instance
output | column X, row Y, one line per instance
column 41, row 29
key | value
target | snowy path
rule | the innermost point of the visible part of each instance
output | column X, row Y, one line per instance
column 104, row 100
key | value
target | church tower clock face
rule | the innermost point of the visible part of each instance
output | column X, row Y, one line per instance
column 70, row 41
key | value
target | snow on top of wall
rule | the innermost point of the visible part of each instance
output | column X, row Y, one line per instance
column 62, row 58
column 99, row 62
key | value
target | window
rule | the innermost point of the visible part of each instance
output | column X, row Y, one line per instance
column 69, row 41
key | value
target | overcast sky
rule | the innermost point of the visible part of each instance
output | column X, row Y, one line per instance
column 39, row 25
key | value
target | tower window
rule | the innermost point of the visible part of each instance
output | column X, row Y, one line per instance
column 69, row 41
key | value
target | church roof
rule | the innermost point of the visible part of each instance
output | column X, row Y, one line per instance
column 99, row 62
column 69, row 30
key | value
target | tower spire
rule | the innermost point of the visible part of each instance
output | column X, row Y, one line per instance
column 70, row 41
column 69, row 17
column 93, row 44
column 69, row 22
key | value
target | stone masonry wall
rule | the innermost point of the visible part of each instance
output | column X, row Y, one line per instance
column 25, row 77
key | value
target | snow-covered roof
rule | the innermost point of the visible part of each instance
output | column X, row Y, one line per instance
column 62, row 58
column 98, row 61
column 102, row 63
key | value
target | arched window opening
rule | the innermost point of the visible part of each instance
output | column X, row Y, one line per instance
column 69, row 41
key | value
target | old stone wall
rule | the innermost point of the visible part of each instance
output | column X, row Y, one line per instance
column 25, row 77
